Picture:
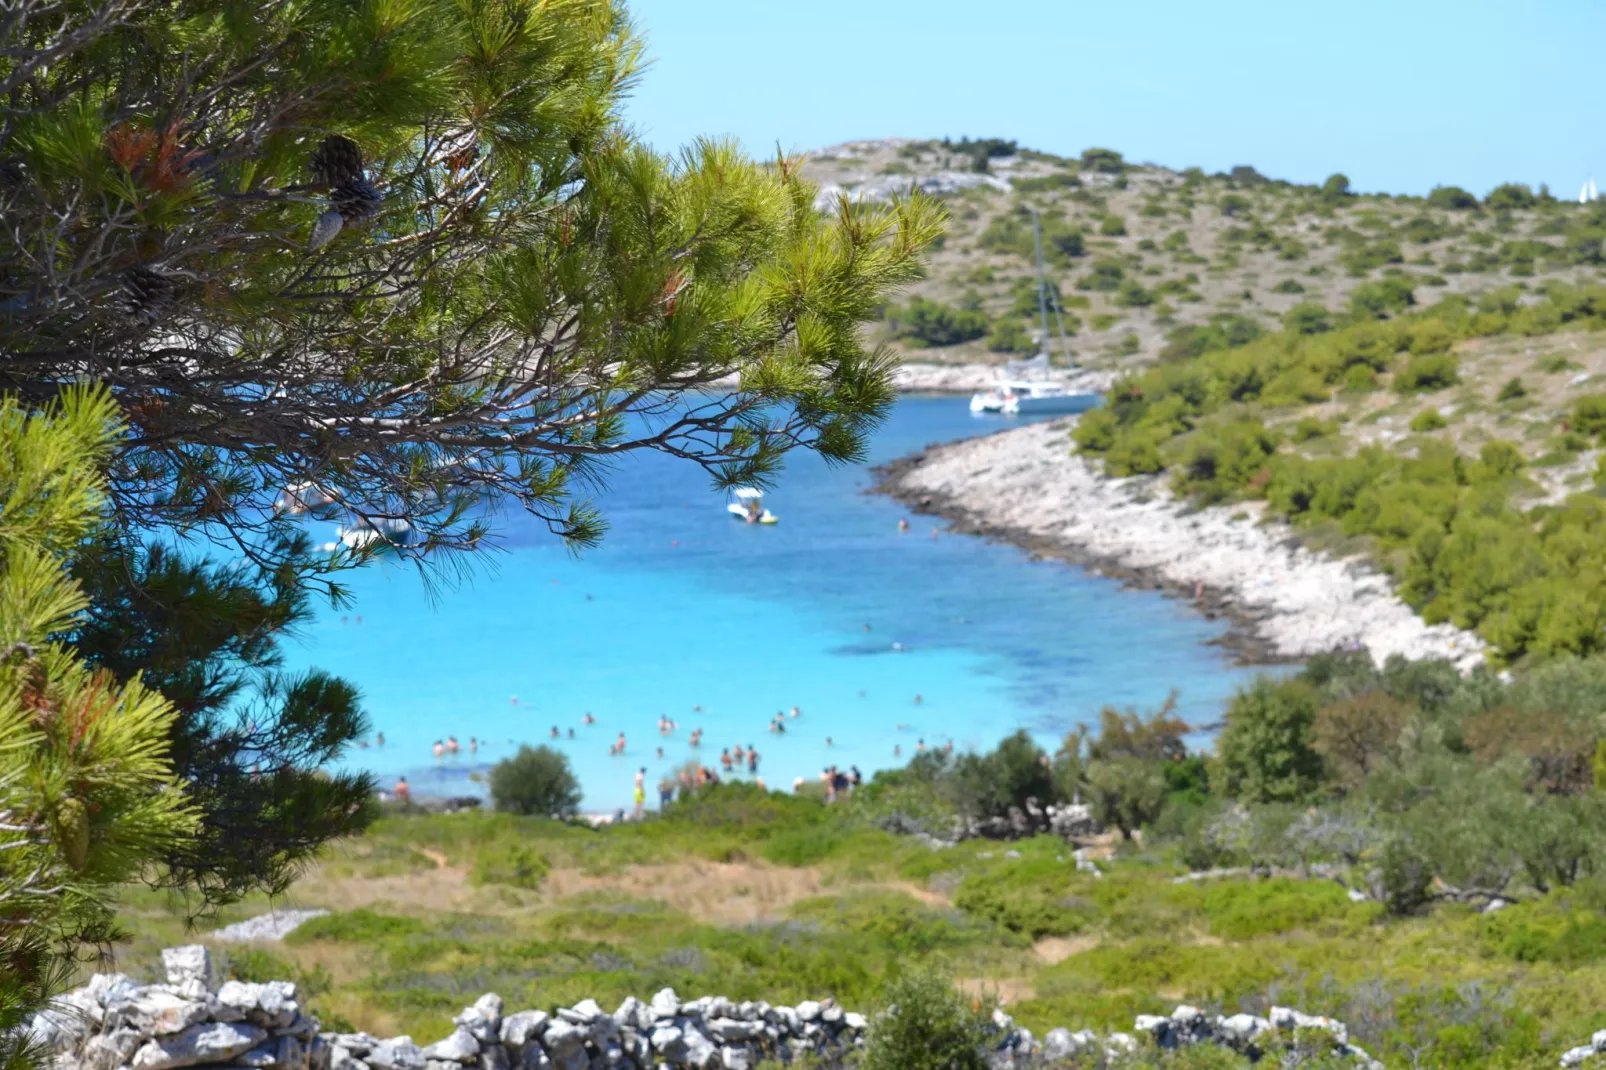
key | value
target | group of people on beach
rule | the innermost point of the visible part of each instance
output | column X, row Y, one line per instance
column 835, row 780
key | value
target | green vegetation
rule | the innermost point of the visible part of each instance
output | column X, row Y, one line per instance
column 1429, row 792
column 536, row 780
column 928, row 323
column 1452, row 527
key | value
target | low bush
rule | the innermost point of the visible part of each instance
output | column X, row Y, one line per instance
column 933, row 323
column 926, row 1025
column 1425, row 374
column 1428, row 420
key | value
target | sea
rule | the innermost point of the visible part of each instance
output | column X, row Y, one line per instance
column 884, row 640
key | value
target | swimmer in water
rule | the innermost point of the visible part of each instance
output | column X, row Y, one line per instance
column 379, row 740
column 903, row 524
column 867, row 626
column 588, row 719
column 796, row 712
column 452, row 746
column 571, row 733
column 620, row 743
column 438, row 749
column 473, row 745
column 897, row 750
column 920, row 747
column 660, row 754
column 918, row 700
column 828, row 742
column 554, row 731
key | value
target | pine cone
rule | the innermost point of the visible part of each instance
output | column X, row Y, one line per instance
column 356, row 201
column 325, row 229
column 146, row 296
column 337, row 161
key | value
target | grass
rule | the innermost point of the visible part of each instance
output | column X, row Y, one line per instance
column 769, row 896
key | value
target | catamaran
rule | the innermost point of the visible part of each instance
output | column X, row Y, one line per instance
column 1025, row 387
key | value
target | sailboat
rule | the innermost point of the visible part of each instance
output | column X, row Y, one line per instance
column 1587, row 195
column 1025, row 387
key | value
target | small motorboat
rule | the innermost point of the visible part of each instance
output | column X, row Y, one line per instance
column 748, row 504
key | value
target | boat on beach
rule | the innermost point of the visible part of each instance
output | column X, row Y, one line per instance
column 748, row 504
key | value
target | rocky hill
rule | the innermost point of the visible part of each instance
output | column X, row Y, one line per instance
column 1142, row 253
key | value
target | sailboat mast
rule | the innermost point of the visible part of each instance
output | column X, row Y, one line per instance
column 1042, row 282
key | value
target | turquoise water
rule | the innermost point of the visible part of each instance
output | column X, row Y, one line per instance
column 683, row 606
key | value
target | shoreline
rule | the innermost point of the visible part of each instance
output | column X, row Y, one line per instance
column 1282, row 603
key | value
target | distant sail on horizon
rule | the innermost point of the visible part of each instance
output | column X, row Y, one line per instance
column 1587, row 195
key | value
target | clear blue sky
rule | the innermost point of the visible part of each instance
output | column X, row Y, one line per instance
column 1400, row 95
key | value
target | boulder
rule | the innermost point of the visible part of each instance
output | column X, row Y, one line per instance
column 460, row 1047
column 563, row 1037
column 1288, row 1018
column 106, row 1051
column 520, row 1028
column 633, row 1014
column 1060, row 1044
column 583, row 1013
column 808, row 1011
column 483, row 1021
column 668, row 1043
column 733, row 1031
column 854, row 1021
column 210, row 1042
column 494, row 1057
column 1241, row 1030
column 277, row 1053
column 534, row 1057
column 665, row 1004
column 359, row 1044
column 737, row 1056
column 192, row 962
column 272, row 1004
column 154, row 1012
column 398, row 1053
column 342, row 1059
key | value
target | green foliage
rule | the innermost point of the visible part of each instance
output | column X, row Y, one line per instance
column 1428, row 420
column 368, row 203
column 361, row 926
column 1309, row 427
column 1452, row 197
column 1428, row 373
column 1266, row 749
column 1215, row 461
column 1589, row 415
column 1102, row 161
column 1512, row 389
column 536, row 781
column 1011, row 336
column 1112, row 226
column 86, row 785
column 926, row 1025
column 1510, row 196
column 1335, row 188
column 1308, row 317
column 1224, row 331
column 1381, row 299
column 933, row 323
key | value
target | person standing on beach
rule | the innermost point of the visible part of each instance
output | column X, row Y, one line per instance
column 641, row 790
column 752, row 760
column 404, row 794
column 725, row 759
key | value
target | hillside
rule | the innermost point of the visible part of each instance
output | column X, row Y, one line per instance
column 1141, row 252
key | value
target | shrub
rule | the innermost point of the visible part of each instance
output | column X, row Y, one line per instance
column 936, row 324
column 1288, row 286
column 1452, row 197
column 926, row 1025
column 1217, row 462
column 1104, row 275
column 1232, row 204
column 1589, row 414
column 1381, row 299
column 519, row 866
column 1224, row 331
column 1511, row 195
column 361, row 926
column 1009, row 336
column 1112, row 226
column 1307, row 317
column 1103, row 161
column 1428, row 373
column 536, row 781
column 1309, row 427
column 1266, row 752
column 1512, row 390
column 1336, row 188
column 1428, row 420
column 1406, row 876
column 987, row 785
column 1355, row 735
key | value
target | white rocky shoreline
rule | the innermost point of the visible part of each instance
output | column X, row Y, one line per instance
column 1027, row 486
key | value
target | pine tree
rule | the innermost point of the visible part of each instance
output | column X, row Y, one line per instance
column 406, row 259
column 87, row 795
